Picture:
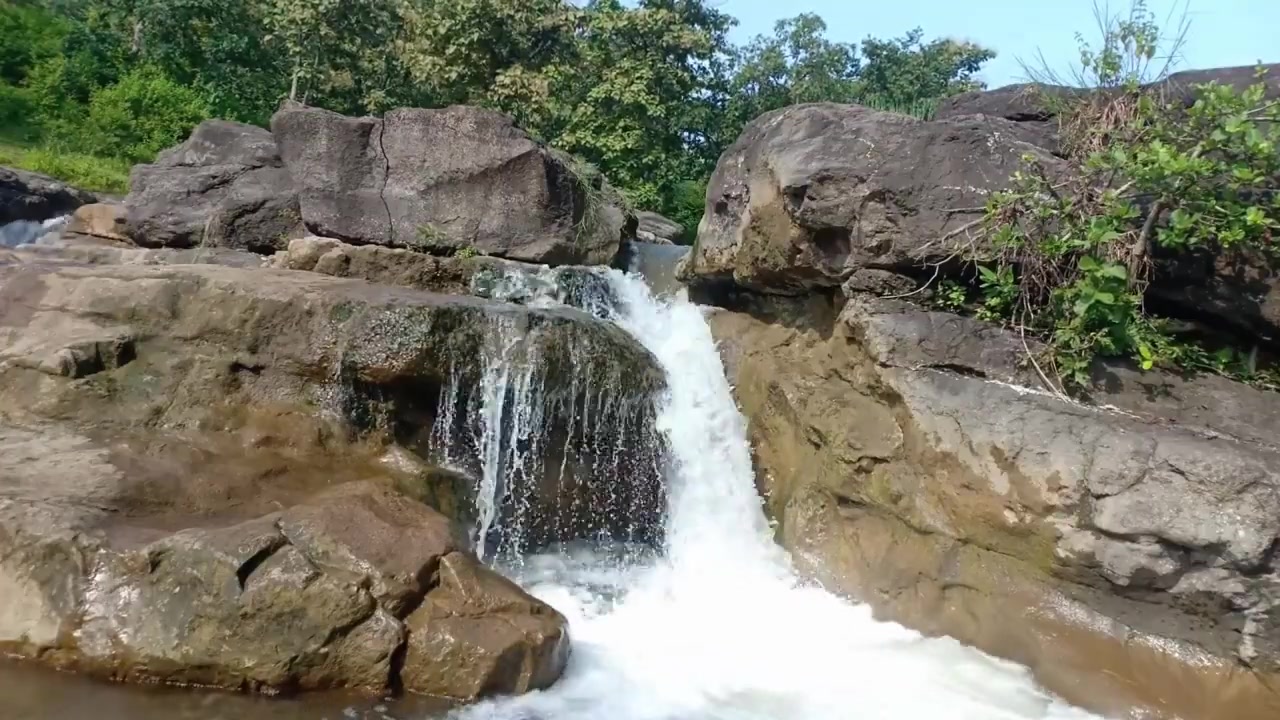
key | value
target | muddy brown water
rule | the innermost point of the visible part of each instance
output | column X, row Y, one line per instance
column 33, row 693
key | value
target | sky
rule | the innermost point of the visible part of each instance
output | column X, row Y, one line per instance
column 1222, row 32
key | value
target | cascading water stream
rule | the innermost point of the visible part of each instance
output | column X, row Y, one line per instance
column 21, row 232
column 718, row 627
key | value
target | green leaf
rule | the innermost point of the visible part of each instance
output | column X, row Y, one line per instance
column 1114, row 270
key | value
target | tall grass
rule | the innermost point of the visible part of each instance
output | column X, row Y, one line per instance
column 921, row 109
column 88, row 172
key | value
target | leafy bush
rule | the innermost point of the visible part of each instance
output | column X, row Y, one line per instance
column 1070, row 257
column 18, row 113
column 687, row 207
column 141, row 115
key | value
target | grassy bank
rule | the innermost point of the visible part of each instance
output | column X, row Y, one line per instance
column 89, row 172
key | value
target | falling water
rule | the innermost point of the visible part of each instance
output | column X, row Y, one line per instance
column 21, row 232
column 717, row 626
column 561, row 440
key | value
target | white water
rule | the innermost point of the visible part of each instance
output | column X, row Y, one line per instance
column 21, row 232
column 718, row 627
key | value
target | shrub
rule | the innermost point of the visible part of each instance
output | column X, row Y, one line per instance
column 18, row 113
column 142, row 114
column 687, row 207
column 1069, row 258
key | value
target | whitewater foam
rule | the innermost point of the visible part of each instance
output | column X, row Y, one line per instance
column 717, row 626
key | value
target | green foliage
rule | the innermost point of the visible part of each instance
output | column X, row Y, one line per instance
column 687, row 207
column 951, row 296
column 467, row 252
column 651, row 92
column 798, row 64
column 907, row 70
column 17, row 113
column 142, row 114
column 29, row 35
column 1149, row 177
column 86, row 171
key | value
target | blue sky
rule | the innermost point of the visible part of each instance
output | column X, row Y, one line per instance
column 1222, row 32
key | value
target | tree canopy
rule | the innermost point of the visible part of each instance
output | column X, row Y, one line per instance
column 651, row 92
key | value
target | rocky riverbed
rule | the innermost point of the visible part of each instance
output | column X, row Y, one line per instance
column 281, row 421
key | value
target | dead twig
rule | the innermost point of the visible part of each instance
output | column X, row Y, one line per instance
column 937, row 268
column 1142, row 246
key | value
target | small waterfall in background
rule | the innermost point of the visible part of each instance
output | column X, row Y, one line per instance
column 715, row 626
column 23, row 232
column 560, row 451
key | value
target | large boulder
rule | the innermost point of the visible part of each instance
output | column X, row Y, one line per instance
column 109, row 574
column 811, row 194
column 1035, row 106
column 453, row 636
column 35, row 197
column 225, row 186
column 1124, row 550
column 220, row 474
column 446, row 180
column 196, row 346
column 654, row 228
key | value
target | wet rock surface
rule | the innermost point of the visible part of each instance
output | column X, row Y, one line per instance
column 32, row 196
column 913, row 464
column 225, row 474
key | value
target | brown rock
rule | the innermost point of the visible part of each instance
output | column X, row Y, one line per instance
column 367, row 530
column 311, row 597
column 377, row 264
column 810, row 194
column 443, row 180
column 479, row 634
column 103, row 221
column 913, row 462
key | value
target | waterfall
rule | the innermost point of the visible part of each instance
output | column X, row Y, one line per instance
column 22, row 232
column 560, row 438
column 717, row 626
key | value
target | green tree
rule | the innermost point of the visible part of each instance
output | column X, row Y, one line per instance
column 29, row 35
column 339, row 53
column 796, row 64
column 217, row 47
column 906, row 70
column 492, row 52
